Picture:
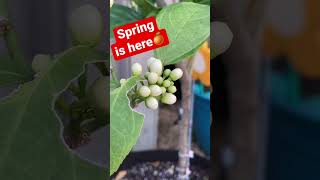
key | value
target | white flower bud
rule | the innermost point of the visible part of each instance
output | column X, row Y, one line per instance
column 155, row 90
column 221, row 37
column 168, row 98
column 41, row 62
column 86, row 25
column 166, row 83
column 146, row 75
column 152, row 78
column 156, row 66
column 122, row 81
column 172, row 89
column 144, row 91
column 166, row 73
column 160, row 81
column 152, row 103
column 136, row 69
column 151, row 60
column 164, row 90
column 176, row 74
column 111, row 3
column 97, row 94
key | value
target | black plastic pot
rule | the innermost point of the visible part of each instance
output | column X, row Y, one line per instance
column 162, row 156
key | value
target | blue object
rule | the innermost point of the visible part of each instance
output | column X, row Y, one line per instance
column 202, row 117
column 293, row 146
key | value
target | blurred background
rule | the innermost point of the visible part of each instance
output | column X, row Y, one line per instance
column 42, row 28
column 266, row 91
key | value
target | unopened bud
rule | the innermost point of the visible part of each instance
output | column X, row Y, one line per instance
column 152, row 103
column 168, row 98
column 152, row 78
column 166, row 73
column 221, row 37
column 151, row 60
column 172, row 89
column 156, row 66
column 166, row 83
column 144, row 91
column 146, row 75
column 136, row 69
column 41, row 62
column 160, row 81
column 122, row 81
column 164, row 90
column 176, row 74
column 155, row 90
column 86, row 25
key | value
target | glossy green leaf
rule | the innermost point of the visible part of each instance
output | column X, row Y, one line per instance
column 146, row 6
column 125, row 124
column 121, row 15
column 187, row 25
column 114, row 84
column 30, row 134
column 207, row 2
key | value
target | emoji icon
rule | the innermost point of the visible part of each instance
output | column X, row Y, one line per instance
column 158, row 39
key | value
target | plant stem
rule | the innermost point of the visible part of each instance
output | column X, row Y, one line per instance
column 75, row 90
column 4, row 8
column 11, row 40
column 15, row 52
column 93, row 125
column 190, row 65
column 186, row 122
column 82, row 83
column 62, row 105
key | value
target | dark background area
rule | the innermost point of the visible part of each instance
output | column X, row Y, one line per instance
column 265, row 98
column 42, row 28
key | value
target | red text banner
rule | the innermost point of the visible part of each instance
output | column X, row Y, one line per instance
column 138, row 37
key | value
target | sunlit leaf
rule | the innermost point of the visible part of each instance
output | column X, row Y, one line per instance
column 187, row 25
column 125, row 124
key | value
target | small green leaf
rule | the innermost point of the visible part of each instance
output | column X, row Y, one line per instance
column 125, row 125
column 187, row 25
column 114, row 84
column 206, row 2
column 9, row 74
column 121, row 15
column 30, row 132
column 153, row 13
column 146, row 6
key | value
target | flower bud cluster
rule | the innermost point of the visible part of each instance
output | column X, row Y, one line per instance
column 160, row 83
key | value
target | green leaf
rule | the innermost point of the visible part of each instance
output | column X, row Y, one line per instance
column 114, row 84
column 206, row 2
column 30, row 132
column 125, row 125
column 121, row 15
column 146, row 6
column 187, row 25
column 153, row 13
column 9, row 74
